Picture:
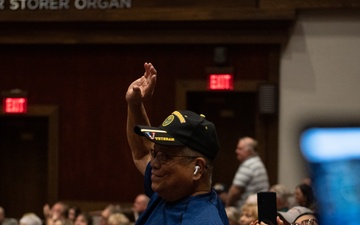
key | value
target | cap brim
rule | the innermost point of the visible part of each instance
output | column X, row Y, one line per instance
column 287, row 217
column 292, row 214
column 156, row 135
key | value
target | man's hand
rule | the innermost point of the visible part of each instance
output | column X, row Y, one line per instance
column 142, row 88
column 234, row 195
column 278, row 220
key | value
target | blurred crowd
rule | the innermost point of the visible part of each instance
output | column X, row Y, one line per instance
column 61, row 213
column 296, row 206
column 292, row 204
column 240, row 200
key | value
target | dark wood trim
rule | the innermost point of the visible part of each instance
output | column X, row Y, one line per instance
column 228, row 32
column 170, row 14
column 147, row 26
column 309, row 4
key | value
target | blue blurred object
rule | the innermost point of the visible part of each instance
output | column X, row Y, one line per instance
column 333, row 154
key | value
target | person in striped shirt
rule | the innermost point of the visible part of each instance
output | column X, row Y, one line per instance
column 251, row 176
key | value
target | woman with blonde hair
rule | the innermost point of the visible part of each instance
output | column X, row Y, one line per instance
column 248, row 213
column 118, row 219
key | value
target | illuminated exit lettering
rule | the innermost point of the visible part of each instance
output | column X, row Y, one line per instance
column 15, row 105
column 221, row 82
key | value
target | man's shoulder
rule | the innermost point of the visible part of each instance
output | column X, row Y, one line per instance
column 201, row 209
column 207, row 209
column 207, row 215
column 252, row 159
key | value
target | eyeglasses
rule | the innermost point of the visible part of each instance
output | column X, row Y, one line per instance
column 164, row 157
column 307, row 222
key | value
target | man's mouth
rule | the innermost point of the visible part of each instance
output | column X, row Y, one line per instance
column 155, row 176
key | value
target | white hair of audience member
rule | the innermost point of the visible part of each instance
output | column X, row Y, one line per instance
column 281, row 191
column 252, row 199
column 30, row 219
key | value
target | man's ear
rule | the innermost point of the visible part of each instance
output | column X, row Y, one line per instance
column 199, row 167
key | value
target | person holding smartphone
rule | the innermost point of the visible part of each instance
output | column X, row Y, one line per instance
column 297, row 215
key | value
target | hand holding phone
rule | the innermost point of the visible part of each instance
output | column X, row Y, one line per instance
column 267, row 208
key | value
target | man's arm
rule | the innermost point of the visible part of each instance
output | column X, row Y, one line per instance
column 138, row 91
column 234, row 195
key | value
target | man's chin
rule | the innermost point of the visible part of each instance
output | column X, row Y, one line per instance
column 154, row 187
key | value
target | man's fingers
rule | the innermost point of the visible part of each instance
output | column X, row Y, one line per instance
column 152, row 70
column 152, row 83
column 148, row 69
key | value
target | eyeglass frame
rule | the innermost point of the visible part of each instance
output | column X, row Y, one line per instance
column 311, row 221
column 166, row 157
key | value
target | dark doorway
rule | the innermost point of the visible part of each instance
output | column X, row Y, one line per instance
column 233, row 114
column 23, row 164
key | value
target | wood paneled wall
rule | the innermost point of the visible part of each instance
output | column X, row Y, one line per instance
column 88, row 83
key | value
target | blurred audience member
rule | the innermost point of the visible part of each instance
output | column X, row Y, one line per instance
column 118, row 219
column 282, row 196
column 248, row 213
column 233, row 214
column 251, row 176
column 83, row 218
column 307, row 180
column 30, row 219
column 57, row 214
column 299, row 215
column 6, row 221
column 140, row 204
column 107, row 212
column 304, row 196
column 252, row 199
column 73, row 212
column 221, row 191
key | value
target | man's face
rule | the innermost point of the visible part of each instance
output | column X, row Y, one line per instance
column 299, row 196
column 57, row 211
column 140, row 203
column 247, row 217
column 306, row 219
column 242, row 151
column 172, row 172
column 104, row 216
column 80, row 220
column 72, row 214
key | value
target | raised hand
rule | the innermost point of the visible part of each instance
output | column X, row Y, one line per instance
column 142, row 88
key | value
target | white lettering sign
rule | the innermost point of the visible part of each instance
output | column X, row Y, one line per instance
column 39, row 4
column 102, row 4
column 65, row 4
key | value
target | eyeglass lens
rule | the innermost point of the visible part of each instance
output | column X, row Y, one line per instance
column 306, row 222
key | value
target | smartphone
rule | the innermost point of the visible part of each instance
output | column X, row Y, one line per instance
column 267, row 208
column 333, row 156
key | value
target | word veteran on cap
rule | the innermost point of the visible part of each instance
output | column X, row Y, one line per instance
column 64, row 4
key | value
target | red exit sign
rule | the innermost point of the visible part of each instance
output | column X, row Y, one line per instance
column 221, row 81
column 15, row 105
